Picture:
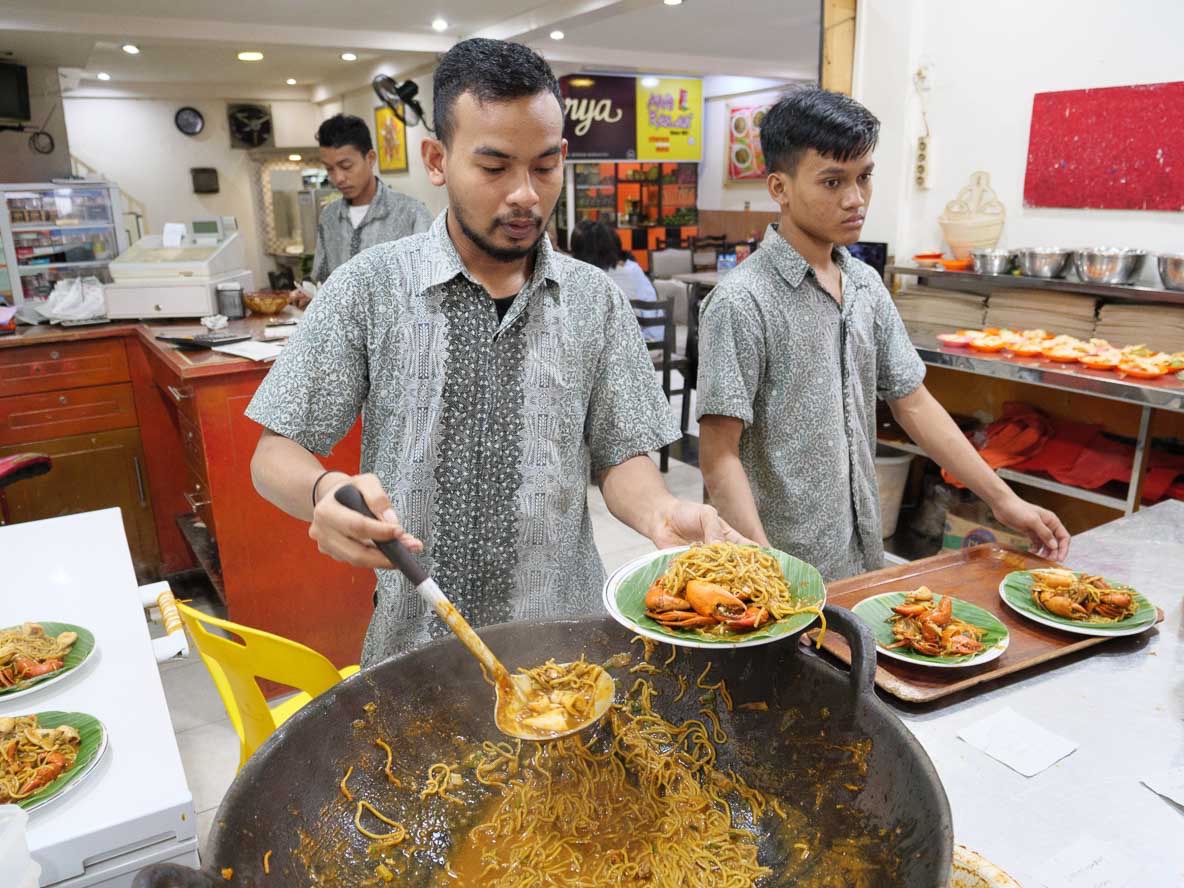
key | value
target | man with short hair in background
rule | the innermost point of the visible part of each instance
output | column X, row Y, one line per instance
column 369, row 211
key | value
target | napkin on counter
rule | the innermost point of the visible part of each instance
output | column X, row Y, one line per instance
column 252, row 349
column 1089, row 862
column 1169, row 784
column 1017, row 742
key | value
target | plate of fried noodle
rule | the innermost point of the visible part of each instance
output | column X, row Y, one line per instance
column 1082, row 603
column 36, row 654
column 717, row 594
column 43, row 755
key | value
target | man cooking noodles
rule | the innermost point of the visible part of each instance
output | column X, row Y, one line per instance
column 492, row 374
column 798, row 342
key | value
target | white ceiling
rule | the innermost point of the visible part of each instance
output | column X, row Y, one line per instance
column 196, row 42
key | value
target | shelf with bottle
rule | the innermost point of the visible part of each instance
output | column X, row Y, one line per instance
column 59, row 206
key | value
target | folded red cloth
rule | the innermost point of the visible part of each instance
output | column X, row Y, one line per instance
column 1016, row 436
column 1063, row 448
column 1100, row 463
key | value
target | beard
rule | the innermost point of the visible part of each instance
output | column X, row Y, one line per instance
column 484, row 241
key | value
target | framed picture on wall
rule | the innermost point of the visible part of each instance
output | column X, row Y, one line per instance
column 390, row 141
column 743, row 159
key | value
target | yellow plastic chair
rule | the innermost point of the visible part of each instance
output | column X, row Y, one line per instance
column 234, row 667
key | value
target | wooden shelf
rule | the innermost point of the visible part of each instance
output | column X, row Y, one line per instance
column 205, row 550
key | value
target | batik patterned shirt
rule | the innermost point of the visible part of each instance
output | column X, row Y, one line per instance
column 803, row 373
column 390, row 216
column 484, row 433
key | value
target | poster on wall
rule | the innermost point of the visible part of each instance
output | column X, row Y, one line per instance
column 1118, row 148
column 746, row 161
column 670, row 119
column 600, row 121
column 390, row 141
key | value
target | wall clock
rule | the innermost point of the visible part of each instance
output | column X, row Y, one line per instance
column 189, row 121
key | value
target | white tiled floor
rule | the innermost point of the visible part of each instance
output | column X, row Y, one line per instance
column 208, row 744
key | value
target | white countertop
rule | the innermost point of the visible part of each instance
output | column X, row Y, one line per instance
column 1122, row 703
column 77, row 569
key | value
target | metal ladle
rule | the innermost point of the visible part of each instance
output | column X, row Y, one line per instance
column 511, row 689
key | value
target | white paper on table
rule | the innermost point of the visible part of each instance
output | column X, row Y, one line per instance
column 1017, row 742
column 1169, row 784
column 173, row 234
column 252, row 349
column 6, row 313
column 280, row 331
column 1089, row 862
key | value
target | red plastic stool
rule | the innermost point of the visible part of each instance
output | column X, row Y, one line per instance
column 18, row 467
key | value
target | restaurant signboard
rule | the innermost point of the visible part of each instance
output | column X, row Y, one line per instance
column 618, row 118
column 670, row 120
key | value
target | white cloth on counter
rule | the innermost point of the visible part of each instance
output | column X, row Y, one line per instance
column 75, row 299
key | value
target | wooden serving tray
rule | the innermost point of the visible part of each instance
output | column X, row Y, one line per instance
column 972, row 575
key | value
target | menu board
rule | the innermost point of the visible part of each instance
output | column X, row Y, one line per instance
column 746, row 161
column 670, row 120
column 620, row 118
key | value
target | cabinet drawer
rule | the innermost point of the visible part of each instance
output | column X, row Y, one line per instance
column 62, row 365
column 40, row 417
column 195, row 453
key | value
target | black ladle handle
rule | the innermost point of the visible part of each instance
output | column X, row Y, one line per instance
column 350, row 497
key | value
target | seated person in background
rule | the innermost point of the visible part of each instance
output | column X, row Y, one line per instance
column 597, row 244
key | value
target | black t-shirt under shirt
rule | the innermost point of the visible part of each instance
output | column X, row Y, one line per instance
column 502, row 306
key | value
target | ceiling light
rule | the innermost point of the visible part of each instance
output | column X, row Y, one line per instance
column 581, row 81
column 349, row 56
column 672, row 2
column 556, row 35
column 131, row 49
column 291, row 81
column 649, row 82
column 103, row 75
column 250, row 56
column 438, row 24
column 295, row 157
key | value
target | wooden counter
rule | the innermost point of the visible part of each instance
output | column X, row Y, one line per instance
column 160, row 432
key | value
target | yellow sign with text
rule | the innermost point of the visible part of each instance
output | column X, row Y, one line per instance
column 670, row 120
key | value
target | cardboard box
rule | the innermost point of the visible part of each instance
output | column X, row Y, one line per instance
column 961, row 533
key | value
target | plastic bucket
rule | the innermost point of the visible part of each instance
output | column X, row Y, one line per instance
column 892, row 472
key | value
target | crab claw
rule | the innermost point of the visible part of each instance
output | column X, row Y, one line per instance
column 657, row 600
column 713, row 600
column 681, row 619
column 754, row 618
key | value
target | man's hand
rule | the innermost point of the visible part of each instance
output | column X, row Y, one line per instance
column 345, row 535
column 679, row 523
column 1049, row 537
column 299, row 298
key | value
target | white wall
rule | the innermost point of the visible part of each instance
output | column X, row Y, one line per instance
column 986, row 66
column 134, row 143
column 718, row 94
column 18, row 162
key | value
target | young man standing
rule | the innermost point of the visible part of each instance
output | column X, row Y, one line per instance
column 492, row 375
column 798, row 342
column 369, row 212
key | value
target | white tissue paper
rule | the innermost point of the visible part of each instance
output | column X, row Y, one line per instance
column 214, row 322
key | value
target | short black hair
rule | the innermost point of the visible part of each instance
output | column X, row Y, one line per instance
column 345, row 129
column 596, row 244
column 834, row 125
column 492, row 70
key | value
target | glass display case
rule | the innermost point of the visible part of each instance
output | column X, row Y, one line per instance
column 50, row 231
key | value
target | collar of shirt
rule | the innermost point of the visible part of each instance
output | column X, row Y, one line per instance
column 789, row 262
column 380, row 206
column 447, row 264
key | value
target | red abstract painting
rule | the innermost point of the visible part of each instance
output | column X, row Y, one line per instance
column 1119, row 148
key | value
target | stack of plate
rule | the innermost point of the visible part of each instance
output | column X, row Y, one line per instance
column 1071, row 314
column 1159, row 327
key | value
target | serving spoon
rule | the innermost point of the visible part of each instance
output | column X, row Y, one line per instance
column 512, row 690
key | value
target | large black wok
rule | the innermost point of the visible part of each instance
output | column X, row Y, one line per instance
column 287, row 801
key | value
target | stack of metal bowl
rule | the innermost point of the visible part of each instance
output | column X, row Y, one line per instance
column 1043, row 262
column 991, row 261
column 1171, row 270
column 1108, row 265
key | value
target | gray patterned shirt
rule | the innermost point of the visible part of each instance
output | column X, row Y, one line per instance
column 483, row 432
column 803, row 373
column 391, row 215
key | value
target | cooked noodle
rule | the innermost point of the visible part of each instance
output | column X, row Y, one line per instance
column 32, row 757
column 28, row 652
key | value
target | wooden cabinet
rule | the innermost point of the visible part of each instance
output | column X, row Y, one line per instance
column 98, row 471
column 74, row 400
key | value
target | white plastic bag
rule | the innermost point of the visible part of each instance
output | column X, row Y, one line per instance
column 15, row 862
column 76, row 299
